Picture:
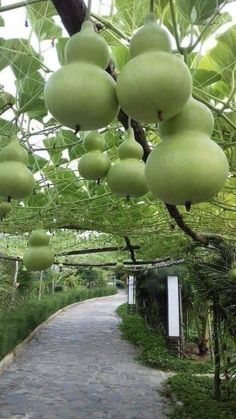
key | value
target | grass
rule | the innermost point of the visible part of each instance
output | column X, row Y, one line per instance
column 197, row 397
column 153, row 350
column 16, row 324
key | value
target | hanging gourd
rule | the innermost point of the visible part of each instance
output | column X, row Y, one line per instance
column 119, row 267
column 155, row 84
column 5, row 208
column 94, row 165
column 232, row 271
column 127, row 176
column 187, row 167
column 39, row 255
column 82, row 95
column 16, row 180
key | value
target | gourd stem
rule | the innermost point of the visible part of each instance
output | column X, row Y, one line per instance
column 88, row 12
column 129, row 122
column 152, row 6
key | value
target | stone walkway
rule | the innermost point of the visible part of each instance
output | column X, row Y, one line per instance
column 79, row 367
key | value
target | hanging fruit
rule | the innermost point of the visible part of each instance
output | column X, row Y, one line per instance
column 81, row 95
column 127, row 176
column 187, row 167
column 94, row 165
column 232, row 271
column 155, row 85
column 119, row 267
column 5, row 208
column 16, row 181
column 39, row 255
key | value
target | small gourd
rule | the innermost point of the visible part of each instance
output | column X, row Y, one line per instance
column 127, row 176
column 232, row 271
column 94, row 165
column 5, row 208
column 187, row 167
column 82, row 95
column 16, row 180
column 39, row 255
column 119, row 267
column 155, row 84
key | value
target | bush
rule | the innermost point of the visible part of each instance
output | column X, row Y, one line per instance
column 197, row 396
column 16, row 324
column 153, row 350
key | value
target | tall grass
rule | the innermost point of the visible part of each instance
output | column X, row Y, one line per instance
column 17, row 323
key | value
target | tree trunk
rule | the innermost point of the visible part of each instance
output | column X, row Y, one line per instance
column 216, row 325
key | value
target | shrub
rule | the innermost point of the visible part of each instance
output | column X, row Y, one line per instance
column 197, row 395
column 152, row 344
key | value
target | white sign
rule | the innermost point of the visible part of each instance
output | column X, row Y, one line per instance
column 173, row 306
column 131, row 290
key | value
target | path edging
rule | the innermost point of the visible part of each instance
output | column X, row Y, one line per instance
column 11, row 356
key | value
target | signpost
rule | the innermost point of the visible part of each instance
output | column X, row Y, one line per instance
column 131, row 293
column 174, row 314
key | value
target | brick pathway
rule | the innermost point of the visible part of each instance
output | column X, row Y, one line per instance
column 79, row 367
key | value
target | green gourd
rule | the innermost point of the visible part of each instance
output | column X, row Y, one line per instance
column 39, row 255
column 119, row 267
column 82, row 95
column 155, row 85
column 5, row 208
column 187, row 167
column 16, row 180
column 127, row 176
column 94, row 165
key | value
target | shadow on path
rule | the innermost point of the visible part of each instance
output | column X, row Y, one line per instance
column 79, row 367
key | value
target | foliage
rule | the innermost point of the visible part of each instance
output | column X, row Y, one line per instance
column 152, row 344
column 92, row 277
column 16, row 324
column 197, row 395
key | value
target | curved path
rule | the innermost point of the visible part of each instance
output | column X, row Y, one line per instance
column 79, row 367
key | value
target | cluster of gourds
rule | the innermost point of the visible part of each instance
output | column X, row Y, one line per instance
column 155, row 86
column 17, row 182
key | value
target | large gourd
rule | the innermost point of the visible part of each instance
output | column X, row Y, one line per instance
column 39, row 255
column 187, row 167
column 127, row 176
column 94, row 165
column 155, row 84
column 16, row 180
column 81, row 95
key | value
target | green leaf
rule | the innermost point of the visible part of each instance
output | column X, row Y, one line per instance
column 2, row 22
column 20, row 55
column 203, row 77
column 36, row 162
column 202, row 10
column 131, row 13
column 52, row 144
column 7, row 127
column 60, row 46
column 64, row 179
column 30, row 89
column 40, row 17
column 120, row 56
column 221, row 58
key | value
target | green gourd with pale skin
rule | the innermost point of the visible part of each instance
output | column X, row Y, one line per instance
column 16, row 180
column 155, row 85
column 232, row 273
column 94, row 165
column 127, row 176
column 82, row 95
column 5, row 208
column 119, row 266
column 39, row 255
column 187, row 167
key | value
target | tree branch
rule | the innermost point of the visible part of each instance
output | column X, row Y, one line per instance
column 131, row 249
column 98, row 250
column 72, row 13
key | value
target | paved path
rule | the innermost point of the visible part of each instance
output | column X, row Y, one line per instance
column 79, row 367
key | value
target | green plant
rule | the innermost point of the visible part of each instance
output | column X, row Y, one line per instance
column 18, row 322
column 152, row 344
column 197, row 395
